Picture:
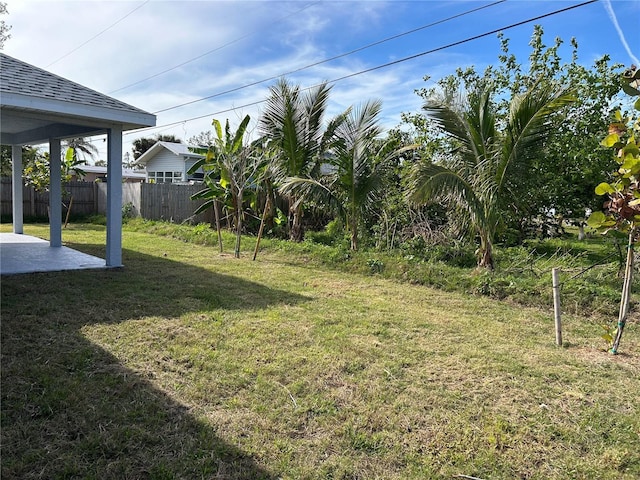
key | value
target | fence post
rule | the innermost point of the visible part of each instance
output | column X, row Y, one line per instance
column 556, row 305
column 32, row 201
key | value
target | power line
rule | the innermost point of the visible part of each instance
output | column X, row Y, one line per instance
column 210, row 51
column 395, row 62
column 98, row 34
column 258, row 82
column 466, row 40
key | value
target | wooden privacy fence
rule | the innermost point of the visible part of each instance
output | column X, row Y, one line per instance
column 166, row 201
column 34, row 203
column 159, row 201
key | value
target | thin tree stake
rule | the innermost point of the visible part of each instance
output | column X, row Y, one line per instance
column 262, row 221
column 626, row 293
column 556, row 306
column 217, row 216
column 66, row 220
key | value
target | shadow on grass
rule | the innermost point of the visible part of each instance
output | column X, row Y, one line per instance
column 71, row 410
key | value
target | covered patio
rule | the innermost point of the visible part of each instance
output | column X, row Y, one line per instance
column 21, row 253
column 38, row 107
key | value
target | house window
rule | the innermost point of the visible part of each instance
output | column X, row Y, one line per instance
column 165, row 177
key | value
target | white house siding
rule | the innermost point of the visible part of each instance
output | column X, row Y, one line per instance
column 165, row 161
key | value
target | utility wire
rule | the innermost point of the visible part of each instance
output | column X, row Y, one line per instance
column 405, row 59
column 210, row 51
column 466, row 40
column 258, row 82
column 98, row 34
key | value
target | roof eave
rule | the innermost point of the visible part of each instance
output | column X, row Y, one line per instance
column 128, row 119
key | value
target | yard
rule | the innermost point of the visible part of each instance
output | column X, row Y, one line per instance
column 191, row 364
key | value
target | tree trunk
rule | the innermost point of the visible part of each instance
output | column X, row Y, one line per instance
column 581, row 234
column 354, row 239
column 353, row 226
column 485, row 258
column 271, row 201
column 297, row 231
column 238, row 224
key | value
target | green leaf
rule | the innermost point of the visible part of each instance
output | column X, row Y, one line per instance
column 629, row 89
column 631, row 149
column 197, row 165
column 631, row 164
column 604, row 188
column 596, row 219
column 237, row 141
column 218, row 128
column 225, row 179
column 610, row 140
column 204, row 206
column 280, row 218
column 636, row 105
column 69, row 154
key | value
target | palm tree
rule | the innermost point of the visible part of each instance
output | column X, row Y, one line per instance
column 477, row 174
column 353, row 183
column 82, row 146
column 293, row 123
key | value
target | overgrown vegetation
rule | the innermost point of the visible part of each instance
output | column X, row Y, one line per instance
column 591, row 269
column 193, row 364
column 493, row 156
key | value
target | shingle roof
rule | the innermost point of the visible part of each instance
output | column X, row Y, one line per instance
column 18, row 77
column 179, row 149
column 175, row 148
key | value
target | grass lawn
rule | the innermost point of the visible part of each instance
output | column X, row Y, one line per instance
column 191, row 364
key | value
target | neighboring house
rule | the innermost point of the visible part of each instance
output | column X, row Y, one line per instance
column 168, row 162
column 94, row 173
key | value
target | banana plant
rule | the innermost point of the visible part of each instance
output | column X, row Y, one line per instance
column 231, row 170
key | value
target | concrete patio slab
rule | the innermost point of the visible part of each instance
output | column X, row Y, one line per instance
column 27, row 254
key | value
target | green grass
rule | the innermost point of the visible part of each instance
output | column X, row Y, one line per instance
column 192, row 364
column 590, row 270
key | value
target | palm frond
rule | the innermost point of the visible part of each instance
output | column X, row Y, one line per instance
column 430, row 182
column 293, row 122
column 308, row 189
column 530, row 124
column 454, row 124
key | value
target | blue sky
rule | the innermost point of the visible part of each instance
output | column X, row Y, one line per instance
column 111, row 45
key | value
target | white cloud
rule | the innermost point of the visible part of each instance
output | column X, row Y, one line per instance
column 252, row 40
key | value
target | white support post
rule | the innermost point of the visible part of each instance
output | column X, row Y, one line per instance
column 55, row 194
column 16, row 174
column 114, row 197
